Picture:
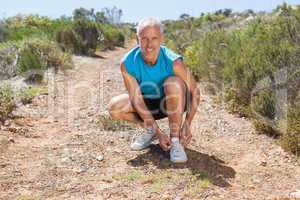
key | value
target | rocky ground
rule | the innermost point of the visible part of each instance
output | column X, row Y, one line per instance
column 56, row 149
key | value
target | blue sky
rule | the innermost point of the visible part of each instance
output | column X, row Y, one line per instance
column 135, row 9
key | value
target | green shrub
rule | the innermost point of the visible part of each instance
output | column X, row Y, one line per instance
column 81, row 37
column 108, row 124
column 88, row 36
column 68, row 40
column 264, row 103
column 7, row 103
column 20, row 27
column 290, row 139
column 8, row 60
column 111, row 37
column 236, row 61
column 3, row 31
column 40, row 54
column 26, row 95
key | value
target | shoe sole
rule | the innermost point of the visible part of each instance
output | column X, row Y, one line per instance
column 138, row 149
column 178, row 161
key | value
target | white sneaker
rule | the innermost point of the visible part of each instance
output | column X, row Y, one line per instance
column 143, row 141
column 177, row 153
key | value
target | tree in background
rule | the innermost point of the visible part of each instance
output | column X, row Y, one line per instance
column 3, row 31
column 113, row 15
column 185, row 16
column 226, row 12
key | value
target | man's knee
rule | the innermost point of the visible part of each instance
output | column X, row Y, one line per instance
column 174, row 83
column 114, row 108
column 118, row 106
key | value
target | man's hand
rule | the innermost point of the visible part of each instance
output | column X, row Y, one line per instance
column 185, row 134
column 164, row 141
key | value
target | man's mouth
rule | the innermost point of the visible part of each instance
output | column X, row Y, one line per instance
column 149, row 50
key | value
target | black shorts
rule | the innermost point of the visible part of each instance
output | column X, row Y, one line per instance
column 157, row 107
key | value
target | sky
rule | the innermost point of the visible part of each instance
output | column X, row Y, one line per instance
column 134, row 10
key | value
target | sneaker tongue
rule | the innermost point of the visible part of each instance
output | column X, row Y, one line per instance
column 149, row 131
column 175, row 139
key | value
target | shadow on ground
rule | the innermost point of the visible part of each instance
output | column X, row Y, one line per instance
column 198, row 162
column 98, row 55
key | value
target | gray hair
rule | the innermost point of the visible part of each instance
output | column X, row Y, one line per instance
column 152, row 21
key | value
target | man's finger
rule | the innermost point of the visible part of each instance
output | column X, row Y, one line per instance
column 165, row 146
column 188, row 139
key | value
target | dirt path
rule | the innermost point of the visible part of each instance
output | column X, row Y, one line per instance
column 56, row 150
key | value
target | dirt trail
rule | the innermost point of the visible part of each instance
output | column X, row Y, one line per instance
column 56, row 150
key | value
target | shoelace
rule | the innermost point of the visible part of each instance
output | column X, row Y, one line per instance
column 177, row 148
column 142, row 138
column 145, row 136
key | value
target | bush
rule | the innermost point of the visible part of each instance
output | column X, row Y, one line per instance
column 26, row 95
column 8, row 60
column 3, row 31
column 238, row 60
column 37, row 55
column 108, row 124
column 7, row 103
column 20, row 27
column 111, row 37
column 80, row 38
column 88, row 36
column 68, row 40
column 290, row 139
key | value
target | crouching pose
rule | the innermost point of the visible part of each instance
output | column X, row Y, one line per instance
column 159, row 85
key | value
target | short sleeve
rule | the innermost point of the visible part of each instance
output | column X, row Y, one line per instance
column 171, row 56
column 129, row 62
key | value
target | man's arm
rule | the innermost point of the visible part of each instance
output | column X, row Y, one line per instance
column 181, row 71
column 137, row 100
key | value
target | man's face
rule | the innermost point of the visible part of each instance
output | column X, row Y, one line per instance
column 150, row 39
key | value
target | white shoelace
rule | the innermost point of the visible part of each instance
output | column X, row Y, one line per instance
column 145, row 136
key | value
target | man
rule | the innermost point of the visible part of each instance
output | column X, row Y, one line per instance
column 159, row 85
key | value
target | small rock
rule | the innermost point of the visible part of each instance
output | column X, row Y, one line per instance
column 11, row 140
column 81, row 170
column 7, row 123
column 99, row 157
column 3, row 140
column 263, row 163
column 295, row 195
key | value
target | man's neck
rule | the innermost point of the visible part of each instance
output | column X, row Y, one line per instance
column 150, row 62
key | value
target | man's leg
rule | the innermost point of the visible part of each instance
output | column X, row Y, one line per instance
column 175, row 91
column 120, row 108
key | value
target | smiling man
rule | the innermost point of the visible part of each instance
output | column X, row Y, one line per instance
column 159, row 85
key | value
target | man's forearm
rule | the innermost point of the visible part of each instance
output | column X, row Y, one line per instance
column 194, row 102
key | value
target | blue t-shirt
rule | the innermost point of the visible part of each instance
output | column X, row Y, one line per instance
column 150, row 77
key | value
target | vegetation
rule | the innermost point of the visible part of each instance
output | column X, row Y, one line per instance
column 31, row 44
column 108, row 124
column 83, row 33
column 252, row 62
column 7, row 103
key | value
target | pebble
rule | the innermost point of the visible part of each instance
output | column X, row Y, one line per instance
column 263, row 163
column 100, row 157
column 295, row 195
column 7, row 123
column 3, row 140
